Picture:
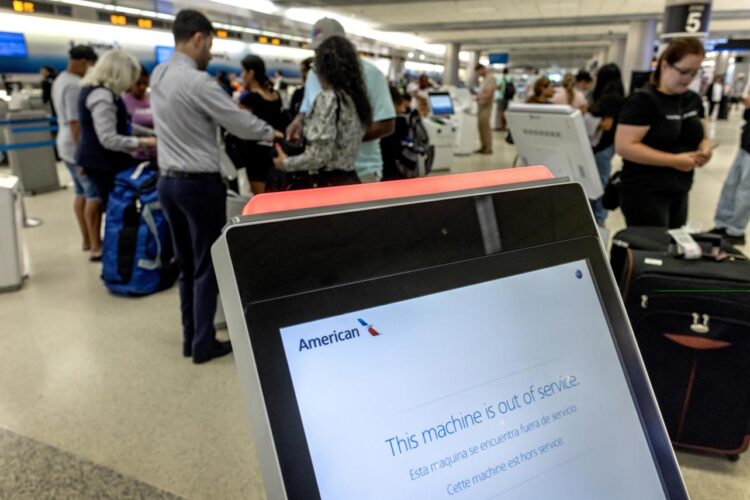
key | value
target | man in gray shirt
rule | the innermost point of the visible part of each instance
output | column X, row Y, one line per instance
column 65, row 91
column 188, row 107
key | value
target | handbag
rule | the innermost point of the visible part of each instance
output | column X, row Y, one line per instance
column 611, row 196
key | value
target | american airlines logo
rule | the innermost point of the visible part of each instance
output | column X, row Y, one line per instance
column 337, row 336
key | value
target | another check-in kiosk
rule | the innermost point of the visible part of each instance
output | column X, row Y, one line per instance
column 555, row 136
column 439, row 337
column 13, row 260
column 441, row 129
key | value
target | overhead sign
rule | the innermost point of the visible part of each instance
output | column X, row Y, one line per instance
column 498, row 58
column 686, row 18
column 12, row 45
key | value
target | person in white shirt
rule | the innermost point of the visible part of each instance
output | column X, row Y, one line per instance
column 65, row 91
column 715, row 93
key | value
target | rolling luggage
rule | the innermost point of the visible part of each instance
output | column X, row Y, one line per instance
column 657, row 239
column 691, row 319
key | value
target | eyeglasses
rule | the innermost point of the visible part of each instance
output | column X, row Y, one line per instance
column 685, row 72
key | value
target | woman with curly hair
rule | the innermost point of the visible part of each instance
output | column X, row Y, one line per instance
column 334, row 128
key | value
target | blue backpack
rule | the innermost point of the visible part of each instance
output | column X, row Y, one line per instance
column 137, row 254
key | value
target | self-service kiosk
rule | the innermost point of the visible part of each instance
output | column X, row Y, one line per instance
column 555, row 136
column 13, row 262
column 465, row 118
column 389, row 344
column 441, row 129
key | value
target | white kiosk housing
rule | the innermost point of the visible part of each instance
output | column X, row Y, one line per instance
column 555, row 136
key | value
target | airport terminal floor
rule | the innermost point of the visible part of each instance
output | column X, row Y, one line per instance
column 96, row 400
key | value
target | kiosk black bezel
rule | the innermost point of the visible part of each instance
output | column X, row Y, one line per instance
column 564, row 233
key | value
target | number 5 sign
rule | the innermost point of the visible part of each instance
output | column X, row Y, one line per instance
column 686, row 18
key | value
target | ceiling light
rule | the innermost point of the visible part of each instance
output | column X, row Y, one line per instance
column 421, row 57
column 411, row 55
column 262, row 6
column 364, row 29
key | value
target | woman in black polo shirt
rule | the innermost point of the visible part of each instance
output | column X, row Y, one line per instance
column 662, row 138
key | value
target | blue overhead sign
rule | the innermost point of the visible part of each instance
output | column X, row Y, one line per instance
column 498, row 58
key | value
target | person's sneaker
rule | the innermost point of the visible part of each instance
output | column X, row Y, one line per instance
column 718, row 230
column 734, row 240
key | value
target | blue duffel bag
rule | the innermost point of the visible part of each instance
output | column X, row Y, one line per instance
column 137, row 257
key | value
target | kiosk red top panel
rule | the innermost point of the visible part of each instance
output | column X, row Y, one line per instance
column 322, row 197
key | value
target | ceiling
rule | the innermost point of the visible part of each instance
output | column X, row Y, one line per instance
column 535, row 32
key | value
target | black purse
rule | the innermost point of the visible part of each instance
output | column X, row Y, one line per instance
column 611, row 196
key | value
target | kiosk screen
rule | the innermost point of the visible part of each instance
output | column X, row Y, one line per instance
column 441, row 104
column 510, row 388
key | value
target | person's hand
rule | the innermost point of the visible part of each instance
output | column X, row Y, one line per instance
column 704, row 153
column 278, row 161
column 278, row 135
column 294, row 130
column 80, row 172
column 607, row 123
column 147, row 142
column 685, row 162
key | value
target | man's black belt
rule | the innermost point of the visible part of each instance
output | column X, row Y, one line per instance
column 178, row 174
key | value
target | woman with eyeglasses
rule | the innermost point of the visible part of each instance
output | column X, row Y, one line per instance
column 662, row 137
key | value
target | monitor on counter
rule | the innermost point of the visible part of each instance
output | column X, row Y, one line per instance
column 395, row 350
column 163, row 53
column 441, row 103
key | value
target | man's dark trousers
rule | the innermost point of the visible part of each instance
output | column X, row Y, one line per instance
column 196, row 210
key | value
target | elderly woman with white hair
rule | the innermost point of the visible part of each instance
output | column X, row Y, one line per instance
column 105, row 144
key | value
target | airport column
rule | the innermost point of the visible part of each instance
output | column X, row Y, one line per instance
column 601, row 57
column 396, row 70
column 471, row 76
column 450, row 74
column 722, row 63
column 616, row 51
column 639, row 48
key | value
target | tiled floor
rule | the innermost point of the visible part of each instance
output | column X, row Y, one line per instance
column 101, row 380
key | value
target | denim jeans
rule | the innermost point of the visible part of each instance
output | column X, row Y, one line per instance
column 604, row 165
column 733, row 212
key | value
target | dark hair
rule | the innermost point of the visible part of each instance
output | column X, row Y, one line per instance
column 144, row 71
column 189, row 22
column 539, row 85
column 584, row 76
column 337, row 63
column 83, row 52
column 608, row 81
column 505, row 70
column 307, row 63
column 258, row 67
column 478, row 67
column 675, row 51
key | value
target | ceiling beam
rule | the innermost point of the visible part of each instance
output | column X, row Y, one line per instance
column 602, row 39
column 547, row 22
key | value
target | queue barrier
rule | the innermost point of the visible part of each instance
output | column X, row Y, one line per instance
column 30, row 149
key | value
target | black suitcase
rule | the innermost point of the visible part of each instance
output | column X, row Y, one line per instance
column 657, row 239
column 692, row 323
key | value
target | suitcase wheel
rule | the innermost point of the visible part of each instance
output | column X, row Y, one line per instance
column 733, row 458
